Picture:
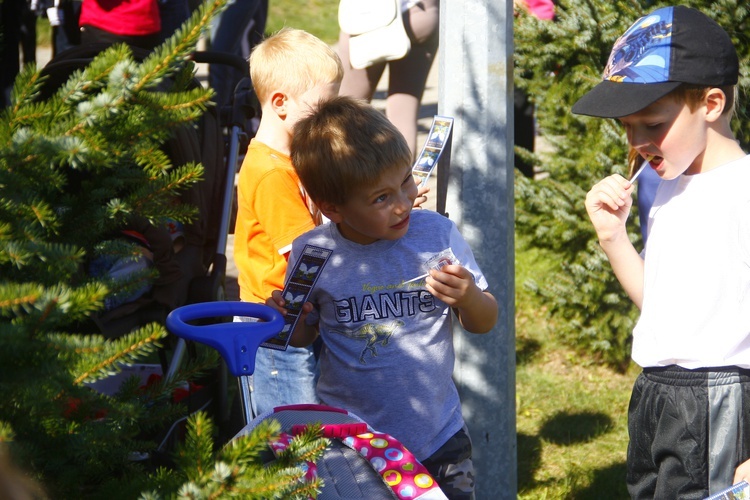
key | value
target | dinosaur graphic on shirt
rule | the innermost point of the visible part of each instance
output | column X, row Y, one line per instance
column 373, row 334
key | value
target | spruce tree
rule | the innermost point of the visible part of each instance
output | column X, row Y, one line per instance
column 75, row 167
column 556, row 63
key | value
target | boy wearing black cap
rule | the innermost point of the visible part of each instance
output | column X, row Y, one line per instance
column 670, row 80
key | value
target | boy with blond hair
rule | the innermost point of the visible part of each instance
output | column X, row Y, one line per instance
column 388, row 344
column 291, row 72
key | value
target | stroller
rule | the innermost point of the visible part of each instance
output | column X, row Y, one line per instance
column 199, row 268
column 360, row 462
column 216, row 143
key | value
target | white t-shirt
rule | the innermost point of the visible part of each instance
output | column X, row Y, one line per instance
column 696, row 302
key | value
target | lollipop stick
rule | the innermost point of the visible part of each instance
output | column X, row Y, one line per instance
column 417, row 278
column 635, row 175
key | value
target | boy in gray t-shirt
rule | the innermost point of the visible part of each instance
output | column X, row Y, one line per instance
column 388, row 349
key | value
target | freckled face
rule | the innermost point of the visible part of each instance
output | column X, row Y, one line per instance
column 381, row 211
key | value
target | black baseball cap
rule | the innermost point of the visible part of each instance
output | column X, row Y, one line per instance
column 660, row 51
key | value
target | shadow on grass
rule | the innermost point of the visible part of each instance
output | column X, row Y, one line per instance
column 529, row 459
column 572, row 428
column 568, row 429
column 607, row 483
column 526, row 349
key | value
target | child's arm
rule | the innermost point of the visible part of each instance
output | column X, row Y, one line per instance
column 608, row 205
column 303, row 334
column 454, row 285
column 742, row 472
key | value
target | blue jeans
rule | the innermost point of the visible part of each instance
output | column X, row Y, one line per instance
column 283, row 377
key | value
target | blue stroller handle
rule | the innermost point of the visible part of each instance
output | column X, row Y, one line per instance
column 237, row 342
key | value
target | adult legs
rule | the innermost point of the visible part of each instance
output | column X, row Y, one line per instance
column 359, row 83
column 67, row 34
column 407, row 77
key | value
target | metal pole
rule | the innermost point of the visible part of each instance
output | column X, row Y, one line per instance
column 476, row 88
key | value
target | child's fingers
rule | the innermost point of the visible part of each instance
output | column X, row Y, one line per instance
column 614, row 192
column 276, row 301
column 449, row 284
column 452, row 270
column 601, row 198
column 421, row 196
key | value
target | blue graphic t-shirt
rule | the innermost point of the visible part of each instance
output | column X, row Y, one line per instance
column 388, row 355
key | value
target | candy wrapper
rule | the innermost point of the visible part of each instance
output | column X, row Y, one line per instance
column 436, row 262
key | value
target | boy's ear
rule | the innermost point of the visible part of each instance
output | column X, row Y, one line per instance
column 716, row 101
column 278, row 103
column 331, row 211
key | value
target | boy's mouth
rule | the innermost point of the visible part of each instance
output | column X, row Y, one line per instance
column 402, row 224
column 654, row 160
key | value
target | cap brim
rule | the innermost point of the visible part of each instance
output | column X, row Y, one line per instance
column 615, row 100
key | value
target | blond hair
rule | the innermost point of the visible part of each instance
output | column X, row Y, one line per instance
column 344, row 146
column 293, row 61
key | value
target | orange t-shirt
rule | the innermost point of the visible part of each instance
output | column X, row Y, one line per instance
column 272, row 210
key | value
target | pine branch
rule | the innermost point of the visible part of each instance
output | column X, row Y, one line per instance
column 126, row 349
column 25, row 90
column 86, row 82
column 41, row 307
column 164, row 188
column 167, row 58
column 73, row 169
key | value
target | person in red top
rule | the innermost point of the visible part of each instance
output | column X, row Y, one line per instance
column 135, row 22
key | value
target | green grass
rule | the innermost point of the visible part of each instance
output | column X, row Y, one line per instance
column 43, row 32
column 319, row 17
column 571, row 414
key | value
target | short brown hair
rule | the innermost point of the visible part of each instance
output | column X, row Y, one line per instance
column 343, row 146
column 693, row 95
